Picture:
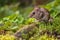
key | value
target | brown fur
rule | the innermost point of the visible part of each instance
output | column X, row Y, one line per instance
column 41, row 14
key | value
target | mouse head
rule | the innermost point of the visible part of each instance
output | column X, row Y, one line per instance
column 35, row 13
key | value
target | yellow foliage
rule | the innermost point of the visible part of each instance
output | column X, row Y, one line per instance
column 46, row 37
column 7, row 37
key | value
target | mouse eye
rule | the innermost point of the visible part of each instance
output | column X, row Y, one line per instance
column 33, row 12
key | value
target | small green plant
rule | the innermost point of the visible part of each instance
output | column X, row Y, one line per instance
column 31, row 20
column 44, row 37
